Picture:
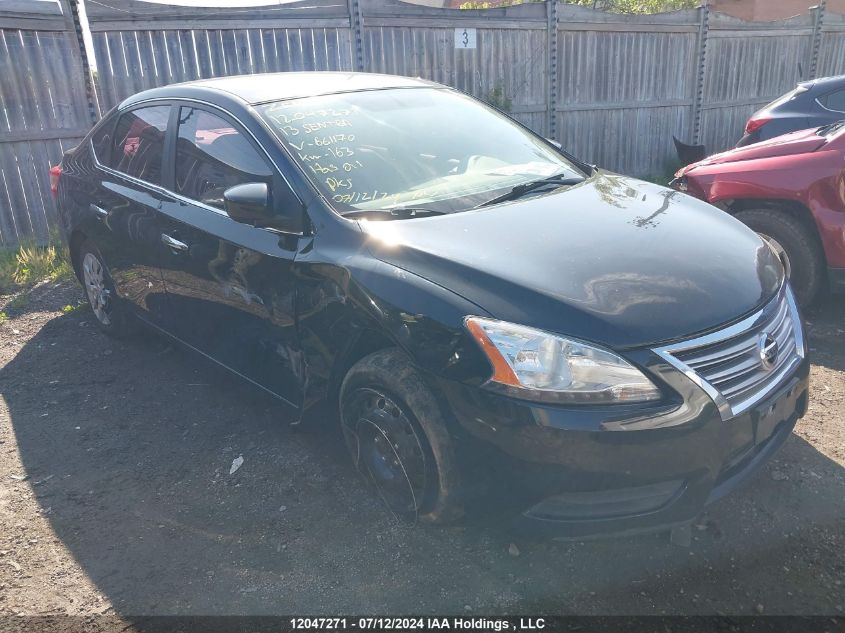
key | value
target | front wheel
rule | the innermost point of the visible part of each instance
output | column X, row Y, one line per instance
column 397, row 438
column 797, row 247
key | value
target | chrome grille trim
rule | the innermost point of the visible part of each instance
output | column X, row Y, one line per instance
column 726, row 364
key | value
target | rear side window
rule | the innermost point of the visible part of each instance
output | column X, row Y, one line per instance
column 834, row 101
column 212, row 155
column 101, row 140
column 139, row 143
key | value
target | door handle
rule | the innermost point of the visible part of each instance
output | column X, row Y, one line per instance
column 100, row 212
column 175, row 244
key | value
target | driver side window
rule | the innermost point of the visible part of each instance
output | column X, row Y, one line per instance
column 212, row 155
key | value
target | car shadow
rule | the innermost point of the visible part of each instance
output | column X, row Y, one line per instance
column 129, row 446
column 826, row 323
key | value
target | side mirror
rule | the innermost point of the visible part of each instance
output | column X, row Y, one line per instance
column 250, row 203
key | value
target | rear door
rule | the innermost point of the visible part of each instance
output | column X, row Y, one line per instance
column 123, row 200
column 231, row 285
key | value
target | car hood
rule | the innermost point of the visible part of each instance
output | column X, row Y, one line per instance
column 800, row 142
column 612, row 260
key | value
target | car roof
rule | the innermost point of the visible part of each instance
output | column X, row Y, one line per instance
column 824, row 83
column 260, row 88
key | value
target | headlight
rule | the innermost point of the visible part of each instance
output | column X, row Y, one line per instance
column 541, row 366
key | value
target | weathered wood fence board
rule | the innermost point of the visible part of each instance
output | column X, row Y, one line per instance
column 612, row 89
column 509, row 65
column 831, row 46
column 625, row 85
column 139, row 45
column 747, row 66
column 43, row 111
column 137, row 60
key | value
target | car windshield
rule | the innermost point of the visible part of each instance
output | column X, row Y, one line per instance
column 421, row 147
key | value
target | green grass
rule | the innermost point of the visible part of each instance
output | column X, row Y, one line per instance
column 29, row 263
column 80, row 305
column 664, row 177
column 18, row 303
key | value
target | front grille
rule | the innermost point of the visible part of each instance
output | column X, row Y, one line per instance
column 729, row 365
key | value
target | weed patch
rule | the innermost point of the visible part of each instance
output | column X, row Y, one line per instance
column 29, row 263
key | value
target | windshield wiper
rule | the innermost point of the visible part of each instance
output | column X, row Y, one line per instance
column 400, row 213
column 520, row 190
column 830, row 127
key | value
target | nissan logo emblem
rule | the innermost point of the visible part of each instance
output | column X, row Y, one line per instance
column 767, row 347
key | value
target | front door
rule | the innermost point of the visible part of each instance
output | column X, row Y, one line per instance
column 231, row 285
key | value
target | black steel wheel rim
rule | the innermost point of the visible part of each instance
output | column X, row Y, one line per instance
column 387, row 450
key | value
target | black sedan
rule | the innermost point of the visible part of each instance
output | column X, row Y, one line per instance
column 498, row 325
column 810, row 104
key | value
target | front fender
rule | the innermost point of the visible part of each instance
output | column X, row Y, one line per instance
column 816, row 182
column 338, row 306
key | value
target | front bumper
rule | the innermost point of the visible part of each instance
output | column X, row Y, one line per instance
column 573, row 473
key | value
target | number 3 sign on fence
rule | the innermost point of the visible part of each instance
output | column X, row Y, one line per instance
column 464, row 38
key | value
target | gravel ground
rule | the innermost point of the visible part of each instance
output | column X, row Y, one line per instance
column 116, row 498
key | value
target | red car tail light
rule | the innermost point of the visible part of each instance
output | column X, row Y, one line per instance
column 755, row 124
column 55, row 174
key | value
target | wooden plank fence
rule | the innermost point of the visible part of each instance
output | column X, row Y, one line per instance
column 747, row 65
column 138, row 45
column 43, row 112
column 626, row 84
column 612, row 89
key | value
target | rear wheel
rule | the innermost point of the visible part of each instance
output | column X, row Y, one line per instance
column 397, row 438
column 795, row 244
column 111, row 316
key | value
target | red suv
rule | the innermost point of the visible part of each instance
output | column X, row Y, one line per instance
column 791, row 190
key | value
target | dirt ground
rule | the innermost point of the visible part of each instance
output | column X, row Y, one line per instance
column 116, row 498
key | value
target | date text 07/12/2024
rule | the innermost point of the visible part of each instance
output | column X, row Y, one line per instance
column 418, row 623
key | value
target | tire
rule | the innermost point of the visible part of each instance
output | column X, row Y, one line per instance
column 398, row 439
column 804, row 255
column 109, row 313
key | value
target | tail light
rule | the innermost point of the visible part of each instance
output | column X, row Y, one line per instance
column 55, row 174
column 755, row 123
